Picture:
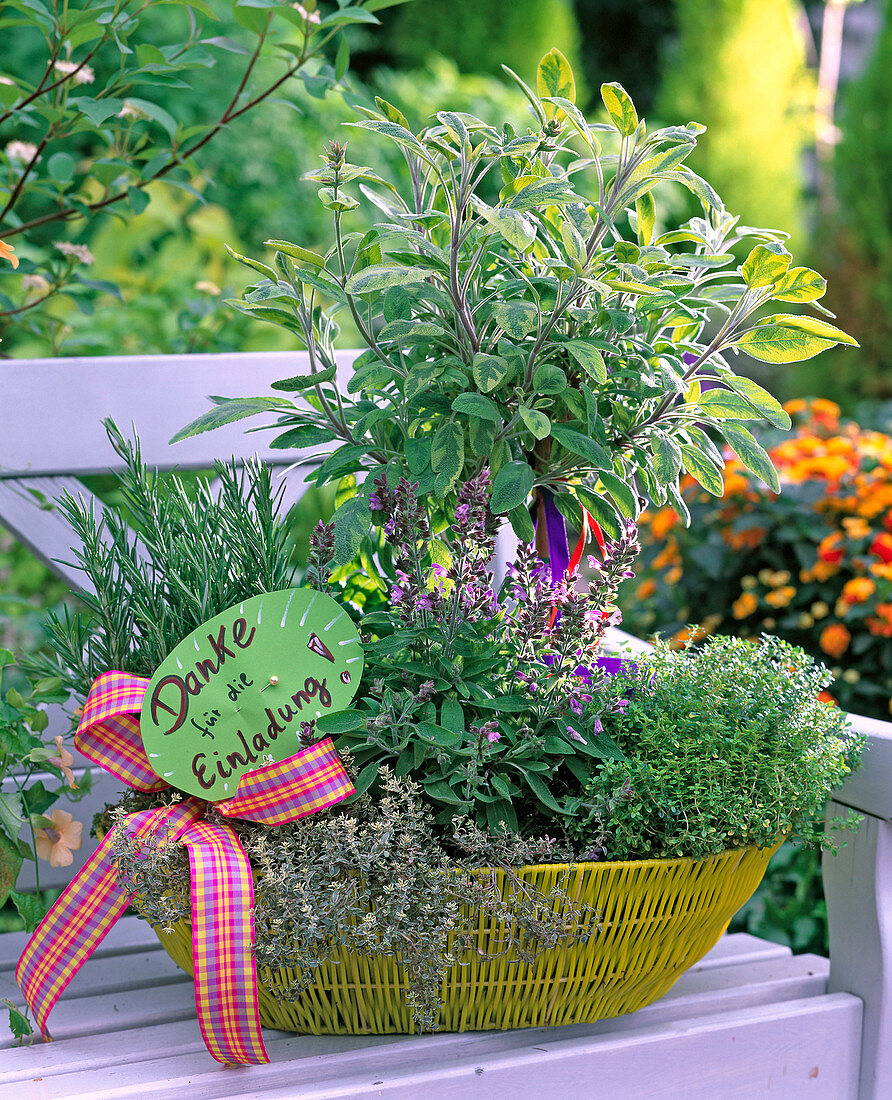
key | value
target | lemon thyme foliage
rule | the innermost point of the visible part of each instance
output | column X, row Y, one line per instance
column 725, row 746
column 376, row 878
column 521, row 306
column 489, row 696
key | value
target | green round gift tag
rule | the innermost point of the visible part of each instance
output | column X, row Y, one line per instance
column 232, row 696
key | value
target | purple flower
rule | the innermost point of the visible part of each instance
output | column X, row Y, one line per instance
column 574, row 734
column 493, row 736
column 319, row 559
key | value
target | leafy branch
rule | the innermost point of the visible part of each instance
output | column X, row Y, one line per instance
column 100, row 46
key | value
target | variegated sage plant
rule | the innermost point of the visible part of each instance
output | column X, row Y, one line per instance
column 523, row 306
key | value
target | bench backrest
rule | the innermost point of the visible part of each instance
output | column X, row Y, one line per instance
column 51, row 429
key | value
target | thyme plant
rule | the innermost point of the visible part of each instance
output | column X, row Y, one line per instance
column 725, row 745
column 373, row 877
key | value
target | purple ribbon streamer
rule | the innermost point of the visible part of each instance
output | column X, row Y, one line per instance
column 556, row 534
column 559, row 560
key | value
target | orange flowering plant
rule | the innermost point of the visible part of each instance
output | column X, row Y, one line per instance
column 28, row 829
column 812, row 565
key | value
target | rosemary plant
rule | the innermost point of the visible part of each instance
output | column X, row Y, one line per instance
column 171, row 555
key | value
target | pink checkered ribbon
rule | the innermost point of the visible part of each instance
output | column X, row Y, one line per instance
column 226, row 997
column 108, row 731
column 303, row 784
column 222, row 925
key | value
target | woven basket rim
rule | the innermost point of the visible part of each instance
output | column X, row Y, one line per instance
column 580, row 865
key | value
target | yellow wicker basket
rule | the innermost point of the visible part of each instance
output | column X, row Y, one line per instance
column 658, row 918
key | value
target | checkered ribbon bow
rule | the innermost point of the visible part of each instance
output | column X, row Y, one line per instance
column 222, row 886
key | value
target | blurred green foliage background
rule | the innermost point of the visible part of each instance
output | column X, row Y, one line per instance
column 757, row 72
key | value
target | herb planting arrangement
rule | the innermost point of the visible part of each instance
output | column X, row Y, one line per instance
column 499, row 823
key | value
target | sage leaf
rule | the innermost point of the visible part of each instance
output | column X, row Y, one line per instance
column 489, row 371
column 780, row 344
column 537, row 422
column 521, row 523
column 227, row 411
column 512, row 225
column 666, row 458
column 646, row 211
column 475, row 404
column 547, row 378
column 589, row 358
column 702, row 469
column 727, row 405
column 543, row 192
column 517, row 318
column 304, row 435
column 799, row 284
column 602, row 511
column 583, row 446
column 621, row 493
column 620, row 108
column 379, row 277
column 447, row 455
column 554, row 77
column 344, row 721
column 511, row 487
column 352, row 522
column 760, row 398
column 306, row 381
column 812, row 325
column 765, row 264
column 751, row 454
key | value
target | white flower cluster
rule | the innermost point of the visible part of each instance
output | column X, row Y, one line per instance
column 24, row 151
column 81, row 74
column 79, row 252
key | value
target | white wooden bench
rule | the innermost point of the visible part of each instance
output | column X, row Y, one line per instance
column 749, row 1021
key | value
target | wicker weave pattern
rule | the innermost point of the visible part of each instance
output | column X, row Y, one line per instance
column 659, row 917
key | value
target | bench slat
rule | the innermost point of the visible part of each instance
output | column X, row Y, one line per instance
column 143, row 970
column 80, row 1020
column 42, row 530
column 129, row 936
column 799, row 1048
column 158, row 393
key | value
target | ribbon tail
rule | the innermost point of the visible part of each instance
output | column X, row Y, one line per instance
column 226, row 997
column 588, row 522
column 598, row 533
column 82, row 917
